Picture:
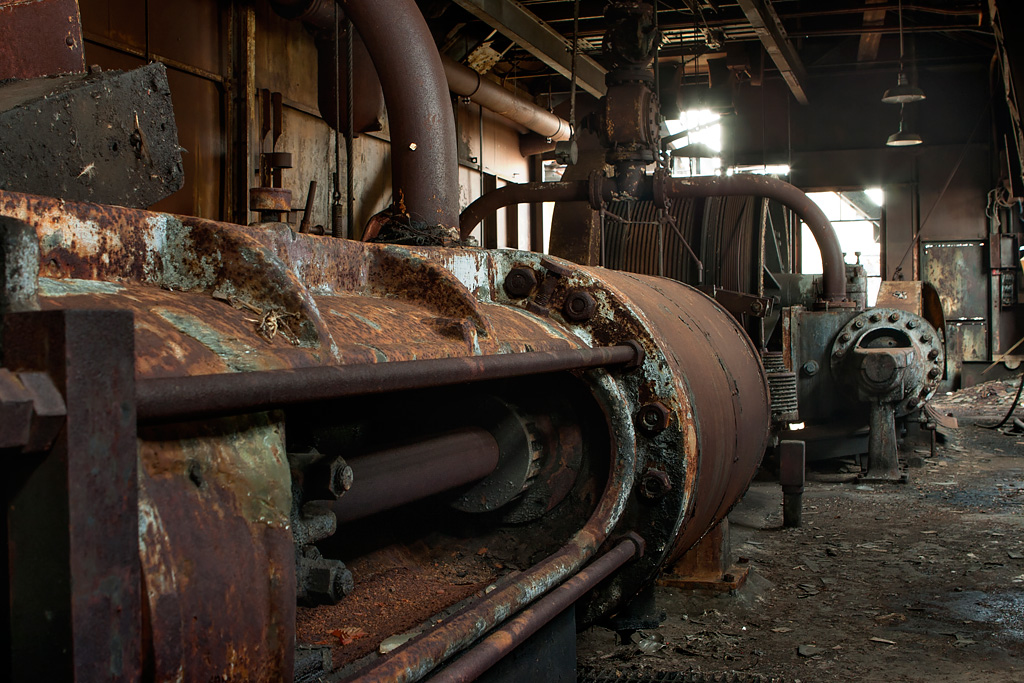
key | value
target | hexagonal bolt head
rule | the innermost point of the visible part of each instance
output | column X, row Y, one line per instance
column 579, row 306
column 844, row 338
column 756, row 307
column 894, row 317
column 926, row 339
column 933, row 354
column 520, row 282
column 654, row 484
column 858, row 323
column 875, row 317
column 934, row 373
column 653, row 417
column 327, row 581
column 810, row 368
column 340, row 477
column 911, row 324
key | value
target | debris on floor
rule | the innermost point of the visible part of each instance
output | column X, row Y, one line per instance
column 920, row 582
column 985, row 400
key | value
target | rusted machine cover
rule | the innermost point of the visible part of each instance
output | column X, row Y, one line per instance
column 713, row 383
column 710, row 354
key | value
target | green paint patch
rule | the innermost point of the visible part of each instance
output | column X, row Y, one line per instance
column 239, row 355
column 71, row 286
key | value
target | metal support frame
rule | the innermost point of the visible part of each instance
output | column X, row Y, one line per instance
column 706, row 565
column 72, row 515
column 792, row 460
column 769, row 29
column 527, row 29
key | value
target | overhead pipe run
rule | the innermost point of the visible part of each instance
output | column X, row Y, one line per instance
column 463, row 81
column 466, row 82
column 600, row 190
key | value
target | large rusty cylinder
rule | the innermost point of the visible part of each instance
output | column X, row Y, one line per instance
column 661, row 446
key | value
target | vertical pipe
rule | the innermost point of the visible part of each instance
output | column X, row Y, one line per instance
column 424, row 158
column 350, row 132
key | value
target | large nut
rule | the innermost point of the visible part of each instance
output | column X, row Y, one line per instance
column 32, row 410
column 654, row 484
column 15, row 411
column 579, row 306
column 653, row 417
column 520, row 282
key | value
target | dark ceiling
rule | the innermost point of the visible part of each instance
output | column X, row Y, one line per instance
column 757, row 38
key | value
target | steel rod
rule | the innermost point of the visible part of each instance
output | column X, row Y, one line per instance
column 205, row 395
column 420, row 656
column 390, row 478
column 502, row 641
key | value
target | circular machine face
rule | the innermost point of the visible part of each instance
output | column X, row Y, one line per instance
column 882, row 328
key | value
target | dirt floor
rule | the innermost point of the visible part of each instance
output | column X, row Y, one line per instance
column 916, row 582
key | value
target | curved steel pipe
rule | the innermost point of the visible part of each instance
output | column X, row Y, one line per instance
column 519, row 193
column 743, row 184
column 423, row 654
column 501, row 642
column 833, row 278
column 424, row 157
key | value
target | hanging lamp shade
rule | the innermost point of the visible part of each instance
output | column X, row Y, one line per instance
column 902, row 138
column 903, row 93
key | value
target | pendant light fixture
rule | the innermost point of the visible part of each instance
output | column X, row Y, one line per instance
column 903, row 93
column 902, row 138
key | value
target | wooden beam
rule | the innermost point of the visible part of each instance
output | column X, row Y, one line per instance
column 535, row 36
column 867, row 49
column 769, row 29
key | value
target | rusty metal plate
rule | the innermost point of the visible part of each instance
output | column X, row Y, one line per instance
column 216, row 550
column 952, row 268
column 40, row 38
column 904, row 296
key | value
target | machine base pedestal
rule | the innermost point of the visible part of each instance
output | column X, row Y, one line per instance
column 706, row 565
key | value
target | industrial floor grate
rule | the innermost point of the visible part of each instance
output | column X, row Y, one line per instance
column 586, row 674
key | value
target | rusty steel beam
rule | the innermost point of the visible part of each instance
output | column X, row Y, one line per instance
column 390, row 478
column 525, row 28
column 769, row 29
column 72, row 516
column 205, row 395
column 867, row 48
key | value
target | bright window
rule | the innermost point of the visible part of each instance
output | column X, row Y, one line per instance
column 703, row 136
column 856, row 217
